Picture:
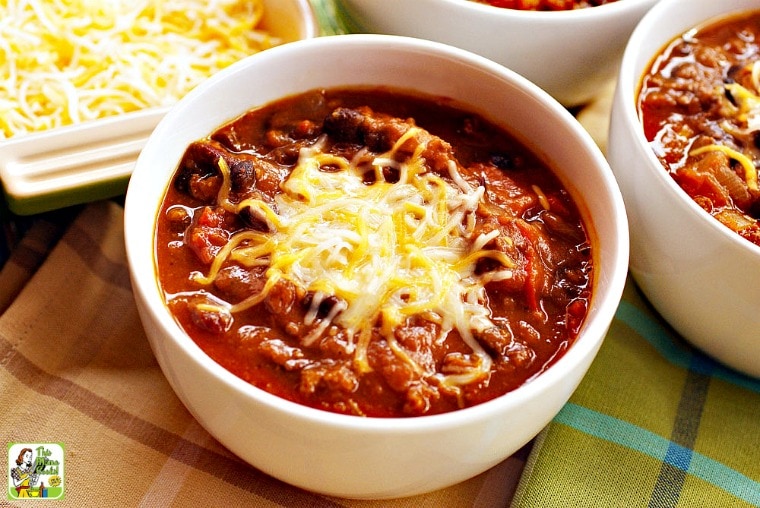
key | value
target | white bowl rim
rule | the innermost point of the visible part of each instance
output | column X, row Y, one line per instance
column 594, row 328
column 629, row 84
column 599, row 11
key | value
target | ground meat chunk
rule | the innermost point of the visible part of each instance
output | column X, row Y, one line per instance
column 407, row 376
column 208, row 316
column 419, row 398
column 198, row 174
column 417, row 340
column 503, row 191
column 398, row 374
column 330, row 375
column 238, row 283
column 209, row 232
column 496, row 340
column 281, row 297
column 280, row 353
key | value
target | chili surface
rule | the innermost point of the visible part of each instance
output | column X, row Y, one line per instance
column 451, row 332
column 699, row 104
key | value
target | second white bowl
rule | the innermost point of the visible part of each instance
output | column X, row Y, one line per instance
column 570, row 54
column 702, row 277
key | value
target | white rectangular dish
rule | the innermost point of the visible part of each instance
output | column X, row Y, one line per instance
column 74, row 164
column 93, row 160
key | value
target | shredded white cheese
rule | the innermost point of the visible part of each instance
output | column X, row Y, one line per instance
column 387, row 251
column 64, row 62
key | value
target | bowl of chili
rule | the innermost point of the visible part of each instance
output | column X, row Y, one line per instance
column 683, row 146
column 570, row 48
column 370, row 281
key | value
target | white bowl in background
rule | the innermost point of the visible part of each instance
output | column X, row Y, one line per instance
column 351, row 456
column 702, row 277
column 570, row 54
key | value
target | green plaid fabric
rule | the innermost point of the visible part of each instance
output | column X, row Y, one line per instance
column 654, row 423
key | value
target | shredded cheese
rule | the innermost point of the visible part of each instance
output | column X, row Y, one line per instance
column 64, row 62
column 387, row 251
column 748, row 104
column 747, row 113
column 750, row 171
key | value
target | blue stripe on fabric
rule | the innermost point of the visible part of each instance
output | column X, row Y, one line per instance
column 643, row 441
column 678, row 456
column 654, row 333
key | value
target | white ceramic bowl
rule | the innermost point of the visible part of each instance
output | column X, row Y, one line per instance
column 570, row 54
column 92, row 160
column 703, row 278
column 351, row 456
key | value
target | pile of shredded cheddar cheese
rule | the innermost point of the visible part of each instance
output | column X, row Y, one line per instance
column 64, row 62
column 388, row 251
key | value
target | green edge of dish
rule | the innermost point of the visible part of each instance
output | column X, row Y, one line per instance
column 332, row 20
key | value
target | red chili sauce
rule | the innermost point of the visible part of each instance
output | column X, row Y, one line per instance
column 545, row 5
column 700, row 108
column 438, row 333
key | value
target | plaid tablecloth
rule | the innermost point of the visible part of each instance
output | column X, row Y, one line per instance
column 654, row 423
column 76, row 369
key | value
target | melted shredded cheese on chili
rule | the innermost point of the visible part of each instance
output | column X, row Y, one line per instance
column 387, row 251
column 750, row 171
column 64, row 62
column 747, row 113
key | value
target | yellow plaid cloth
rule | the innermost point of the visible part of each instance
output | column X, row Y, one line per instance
column 654, row 423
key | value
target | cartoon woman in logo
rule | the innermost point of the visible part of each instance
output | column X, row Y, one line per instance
column 24, row 478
